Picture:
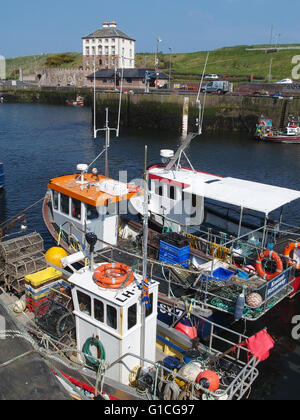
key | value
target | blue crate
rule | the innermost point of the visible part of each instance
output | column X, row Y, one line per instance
column 220, row 274
column 172, row 255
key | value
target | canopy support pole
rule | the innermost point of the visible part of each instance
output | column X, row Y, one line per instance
column 240, row 222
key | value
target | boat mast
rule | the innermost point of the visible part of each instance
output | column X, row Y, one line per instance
column 145, row 256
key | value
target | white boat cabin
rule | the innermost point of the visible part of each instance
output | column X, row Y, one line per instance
column 82, row 203
column 177, row 195
column 115, row 318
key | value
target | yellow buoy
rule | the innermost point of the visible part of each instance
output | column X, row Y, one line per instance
column 55, row 254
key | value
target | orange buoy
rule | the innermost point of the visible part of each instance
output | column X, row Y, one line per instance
column 275, row 257
column 208, row 379
column 113, row 276
column 287, row 253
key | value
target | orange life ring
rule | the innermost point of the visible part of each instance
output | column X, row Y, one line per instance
column 113, row 276
column 287, row 253
column 276, row 258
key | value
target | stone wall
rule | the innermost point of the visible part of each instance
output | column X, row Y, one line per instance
column 62, row 77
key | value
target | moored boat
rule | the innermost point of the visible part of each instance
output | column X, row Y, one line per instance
column 78, row 102
column 102, row 338
column 266, row 132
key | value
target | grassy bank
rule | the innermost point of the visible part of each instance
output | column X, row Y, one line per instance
column 237, row 61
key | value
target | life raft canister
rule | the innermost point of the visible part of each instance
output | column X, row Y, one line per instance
column 287, row 253
column 113, row 276
column 268, row 254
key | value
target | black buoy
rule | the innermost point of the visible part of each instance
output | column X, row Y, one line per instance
column 91, row 239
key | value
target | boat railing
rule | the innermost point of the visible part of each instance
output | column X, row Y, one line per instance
column 212, row 290
column 237, row 370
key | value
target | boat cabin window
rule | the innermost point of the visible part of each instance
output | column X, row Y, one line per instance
column 131, row 316
column 194, row 200
column 149, row 310
column 172, row 192
column 64, row 204
column 76, row 209
column 55, row 200
column 91, row 212
column 84, row 302
column 160, row 190
column 98, row 310
column 111, row 317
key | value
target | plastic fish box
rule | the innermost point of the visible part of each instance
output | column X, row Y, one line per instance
column 44, row 276
column 175, row 239
column 173, row 255
column 220, row 274
column 37, row 294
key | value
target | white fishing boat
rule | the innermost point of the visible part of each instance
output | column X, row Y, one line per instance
column 98, row 330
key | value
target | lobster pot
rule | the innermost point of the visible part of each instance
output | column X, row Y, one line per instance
column 16, row 249
column 19, row 269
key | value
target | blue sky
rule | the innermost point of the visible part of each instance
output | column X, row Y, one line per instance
column 33, row 27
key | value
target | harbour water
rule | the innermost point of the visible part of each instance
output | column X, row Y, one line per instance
column 39, row 142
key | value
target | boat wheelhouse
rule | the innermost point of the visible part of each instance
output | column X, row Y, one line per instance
column 80, row 203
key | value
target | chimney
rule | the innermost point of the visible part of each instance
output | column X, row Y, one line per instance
column 113, row 24
column 105, row 25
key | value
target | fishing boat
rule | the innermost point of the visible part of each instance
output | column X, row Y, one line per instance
column 1, row 177
column 97, row 328
column 78, row 102
column 266, row 132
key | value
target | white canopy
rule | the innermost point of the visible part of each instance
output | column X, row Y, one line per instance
column 247, row 194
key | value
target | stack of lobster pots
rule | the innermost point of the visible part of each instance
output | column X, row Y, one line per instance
column 38, row 287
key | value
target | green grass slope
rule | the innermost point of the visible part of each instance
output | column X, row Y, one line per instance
column 236, row 61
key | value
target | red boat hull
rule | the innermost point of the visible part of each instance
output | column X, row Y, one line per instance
column 280, row 139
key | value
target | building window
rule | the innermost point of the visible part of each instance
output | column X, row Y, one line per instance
column 106, row 50
column 111, row 317
column 129, row 80
column 98, row 310
column 100, row 50
column 76, row 209
column 93, row 50
column 106, row 61
column 106, row 41
column 131, row 316
column 64, row 204
column 130, row 53
column 113, row 61
column 113, row 51
column 87, row 51
column 55, row 199
column 100, row 62
column 84, row 302
column 113, row 40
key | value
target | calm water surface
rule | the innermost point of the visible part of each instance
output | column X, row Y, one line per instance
column 39, row 142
